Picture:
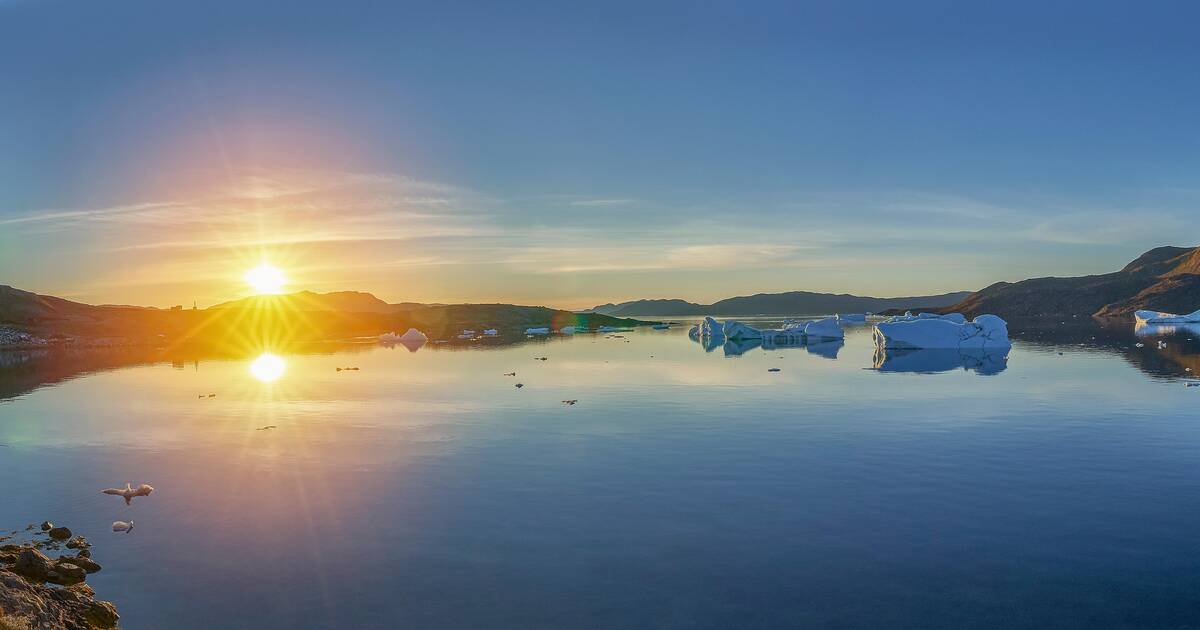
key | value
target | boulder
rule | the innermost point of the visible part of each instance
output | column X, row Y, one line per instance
column 32, row 563
column 66, row 573
column 60, row 533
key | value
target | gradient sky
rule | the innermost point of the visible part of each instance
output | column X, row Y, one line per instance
column 565, row 154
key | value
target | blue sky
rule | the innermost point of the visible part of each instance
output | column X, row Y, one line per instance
column 570, row 155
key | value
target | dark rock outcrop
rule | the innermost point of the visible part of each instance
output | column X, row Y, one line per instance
column 46, row 607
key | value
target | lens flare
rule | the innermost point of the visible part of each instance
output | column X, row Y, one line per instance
column 266, row 279
column 268, row 367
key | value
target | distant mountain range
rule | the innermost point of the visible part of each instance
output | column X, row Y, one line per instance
column 1162, row 279
column 295, row 317
column 790, row 303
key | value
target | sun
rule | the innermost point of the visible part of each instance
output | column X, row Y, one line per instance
column 266, row 279
column 268, row 367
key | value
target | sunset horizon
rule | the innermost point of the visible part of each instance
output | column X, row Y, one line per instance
column 645, row 314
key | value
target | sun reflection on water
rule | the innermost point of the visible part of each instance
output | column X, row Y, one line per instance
column 268, row 367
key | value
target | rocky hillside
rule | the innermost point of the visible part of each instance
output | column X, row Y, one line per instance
column 1162, row 279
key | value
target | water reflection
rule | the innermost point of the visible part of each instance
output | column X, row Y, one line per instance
column 1162, row 330
column 928, row 361
column 268, row 367
column 825, row 349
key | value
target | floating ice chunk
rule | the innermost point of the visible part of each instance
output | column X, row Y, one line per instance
column 1156, row 317
column 491, row 332
column 412, row 334
column 827, row 328
column 711, row 328
column 985, row 331
column 852, row 318
column 661, row 326
column 694, row 332
column 567, row 330
column 542, row 330
column 734, row 329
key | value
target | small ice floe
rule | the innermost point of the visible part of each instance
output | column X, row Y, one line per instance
column 852, row 318
column 129, row 492
column 466, row 334
column 1157, row 317
column 942, row 331
column 567, row 330
column 1162, row 345
column 571, row 402
column 540, row 330
column 1139, row 345
column 1192, row 384
column 491, row 332
column 122, row 526
column 661, row 326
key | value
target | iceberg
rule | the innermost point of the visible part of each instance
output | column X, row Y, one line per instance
column 694, row 332
column 711, row 328
column 827, row 328
column 542, row 330
column 661, row 326
column 491, row 332
column 957, row 318
column 734, row 329
column 852, row 318
column 567, row 330
column 413, row 339
column 1156, row 317
column 985, row 331
column 412, row 334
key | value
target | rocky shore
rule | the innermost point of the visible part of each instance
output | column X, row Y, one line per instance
column 40, row 592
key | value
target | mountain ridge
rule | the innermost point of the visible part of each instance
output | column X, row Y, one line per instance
column 787, row 303
column 1161, row 279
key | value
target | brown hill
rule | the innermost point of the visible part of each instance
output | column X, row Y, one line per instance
column 1162, row 279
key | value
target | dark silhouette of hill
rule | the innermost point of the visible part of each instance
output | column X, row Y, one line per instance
column 790, row 303
column 275, row 319
column 1162, row 279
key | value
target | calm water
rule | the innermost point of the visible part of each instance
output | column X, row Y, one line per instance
column 1057, row 488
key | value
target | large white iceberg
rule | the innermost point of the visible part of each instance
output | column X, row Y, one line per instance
column 1156, row 317
column 827, row 328
column 984, row 332
column 734, row 329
